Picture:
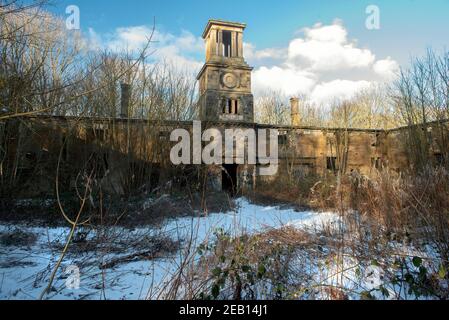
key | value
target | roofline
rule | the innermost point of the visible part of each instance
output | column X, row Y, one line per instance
column 212, row 22
column 417, row 125
column 231, row 123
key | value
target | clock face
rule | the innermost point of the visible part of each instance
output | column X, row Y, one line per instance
column 230, row 80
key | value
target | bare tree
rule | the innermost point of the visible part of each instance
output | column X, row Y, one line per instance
column 421, row 100
column 370, row 108
column 271, row 108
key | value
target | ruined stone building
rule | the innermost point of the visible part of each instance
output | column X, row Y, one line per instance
column 226, row 101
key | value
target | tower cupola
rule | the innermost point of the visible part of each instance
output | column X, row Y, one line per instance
column 225, row 79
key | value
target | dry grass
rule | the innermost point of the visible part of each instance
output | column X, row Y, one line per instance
column 384, row 214
column 17, row 237
column 415, row 208
column 310, row 192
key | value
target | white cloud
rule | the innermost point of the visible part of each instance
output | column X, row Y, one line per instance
column 328, row 92
column 93, row 40
column 130, row 38
column 326, row 55
column 182, row 50
column 288, row 81
column 326, row 48
column 332, row 33
column 187, row 41
column 264, row 55
column 386, row 68
column 322, row 63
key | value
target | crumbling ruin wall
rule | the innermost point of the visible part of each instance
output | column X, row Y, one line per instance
column 123, row 149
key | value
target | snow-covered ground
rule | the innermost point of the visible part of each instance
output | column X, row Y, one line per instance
column 25, row 270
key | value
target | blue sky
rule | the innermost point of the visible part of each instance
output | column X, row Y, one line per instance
column 277, row 30
column 407, row 26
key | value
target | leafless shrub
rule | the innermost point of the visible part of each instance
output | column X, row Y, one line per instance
column 412, row 207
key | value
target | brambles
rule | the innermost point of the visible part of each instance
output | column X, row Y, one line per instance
column 245, row 267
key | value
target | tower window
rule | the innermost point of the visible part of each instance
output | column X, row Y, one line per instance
column 237, row 46
column 217, row 43
column 235, row 107
column 231, row 107
column 227, row 44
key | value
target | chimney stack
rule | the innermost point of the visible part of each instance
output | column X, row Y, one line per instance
column 125, row 99
column 296, row 120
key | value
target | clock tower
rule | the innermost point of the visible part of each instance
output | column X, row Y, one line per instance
column 225, row 79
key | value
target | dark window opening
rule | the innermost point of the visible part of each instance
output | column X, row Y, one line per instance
column 100, row 134
column 65, row 149
column 164, row 136
column 282, row 140
column 439, row 159
column 227, row 106
column 106, row 161
column 100, row 164
column 227, row 44
column 217, row 43
column 376, row 163
column 31, row 156
column 237, row 46
column 231, row 107
column 229, row 178
column 376, row 141
column 332, row 164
